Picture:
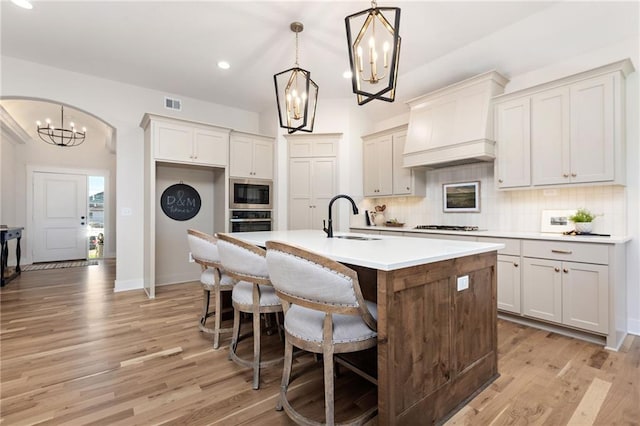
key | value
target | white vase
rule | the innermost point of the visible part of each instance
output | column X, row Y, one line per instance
column 584, row 227
column 379, row 219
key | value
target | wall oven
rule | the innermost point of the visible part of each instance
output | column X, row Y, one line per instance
column 250, row 194
column 250, row 220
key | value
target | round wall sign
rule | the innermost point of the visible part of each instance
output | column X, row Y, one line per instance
column 180, row 202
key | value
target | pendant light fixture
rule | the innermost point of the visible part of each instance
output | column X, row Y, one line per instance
column 296, row 94
column 59, row 135
column 374, row 52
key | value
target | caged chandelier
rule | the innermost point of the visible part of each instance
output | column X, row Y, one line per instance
column 59, row 135
column 374, row 52
column 296, row 94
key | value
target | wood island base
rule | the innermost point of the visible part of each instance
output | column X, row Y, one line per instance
column 437, row 345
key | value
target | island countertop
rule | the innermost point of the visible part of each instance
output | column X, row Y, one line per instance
column 381, row 252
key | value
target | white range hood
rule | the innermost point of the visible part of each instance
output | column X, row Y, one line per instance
column 453, row 125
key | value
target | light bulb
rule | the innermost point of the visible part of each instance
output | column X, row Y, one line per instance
column 38, row 123
column 84, row 129
column 304, row 96
column 71, row 124
column 48, row 121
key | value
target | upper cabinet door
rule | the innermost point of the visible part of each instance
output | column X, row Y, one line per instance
column 592, row 130
column 550, row 136
column 513, row 140
column 173, row 142
column 370, row 169
column 262, row 159
column 402, row 182
column 210, row 147
column 241, row 156
column 385, row 164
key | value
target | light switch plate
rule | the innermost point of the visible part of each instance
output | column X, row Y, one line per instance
column 191, row 258
column 463, row 282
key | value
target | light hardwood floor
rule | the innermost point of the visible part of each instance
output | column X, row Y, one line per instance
column 73, row 352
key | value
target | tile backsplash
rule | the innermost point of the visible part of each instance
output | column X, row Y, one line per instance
column 517, row 210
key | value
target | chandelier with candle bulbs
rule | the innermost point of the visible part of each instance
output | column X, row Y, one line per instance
column 296, row 94
column 61, row 136
column 374, row 52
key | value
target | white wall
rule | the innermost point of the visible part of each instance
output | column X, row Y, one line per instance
column 122, row 106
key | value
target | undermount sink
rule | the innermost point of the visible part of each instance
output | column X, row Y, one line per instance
column 355, row 237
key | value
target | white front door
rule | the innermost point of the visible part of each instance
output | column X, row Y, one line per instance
column 59, row 217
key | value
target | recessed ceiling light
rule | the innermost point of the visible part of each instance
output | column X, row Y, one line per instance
column 224, row 65
column 25, row 4
column 347, row 74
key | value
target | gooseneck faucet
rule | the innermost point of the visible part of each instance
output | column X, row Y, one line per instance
column 329, row 230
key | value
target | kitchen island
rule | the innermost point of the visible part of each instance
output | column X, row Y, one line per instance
column 437, row 337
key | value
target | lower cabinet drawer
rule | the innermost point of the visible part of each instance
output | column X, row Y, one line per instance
column 574, row 252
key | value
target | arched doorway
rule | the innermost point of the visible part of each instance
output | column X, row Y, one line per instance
column 36, row 168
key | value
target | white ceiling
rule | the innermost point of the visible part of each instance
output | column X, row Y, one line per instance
column 174, row 46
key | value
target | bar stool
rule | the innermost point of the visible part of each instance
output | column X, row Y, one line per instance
column 204, row 251
column 325, row 313
column 252, row 294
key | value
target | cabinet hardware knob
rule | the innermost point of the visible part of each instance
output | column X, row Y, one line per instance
column 574, row 174
column 565, row 175
column 561, row 251
column 565, row 270
column 408, row 189
column 500, row 180
column 515, row 264
column 557, row 269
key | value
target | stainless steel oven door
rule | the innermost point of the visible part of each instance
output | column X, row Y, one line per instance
column 250, row 225
column 250, row 194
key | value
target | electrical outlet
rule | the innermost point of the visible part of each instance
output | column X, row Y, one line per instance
column 463, row 283
column 191, row 258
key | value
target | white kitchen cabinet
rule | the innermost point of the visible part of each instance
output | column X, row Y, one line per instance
column 550, row 137
column 378, row 166
column 509, row 274
column 567, row 283
column 313, row 179
column 572, row 133
column 513, row 141
column 251, row 156
column 383, row 173
column 312, row 183
column 177, row 141
column 568, row 131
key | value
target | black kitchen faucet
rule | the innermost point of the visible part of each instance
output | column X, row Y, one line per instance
column 329, row 230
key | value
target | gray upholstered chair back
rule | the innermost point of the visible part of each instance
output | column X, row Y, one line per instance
column 203, row 246
column 242, row 260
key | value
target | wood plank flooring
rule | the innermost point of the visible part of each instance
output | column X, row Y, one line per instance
column 74, row 352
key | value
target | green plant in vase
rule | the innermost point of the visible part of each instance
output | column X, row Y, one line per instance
column 583, row 219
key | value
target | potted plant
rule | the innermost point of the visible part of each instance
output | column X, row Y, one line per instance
column 583, row 219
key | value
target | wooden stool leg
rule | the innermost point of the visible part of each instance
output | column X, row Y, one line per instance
column 327, row 357
column 256, row 346
column 286, row 373
column 217, row 319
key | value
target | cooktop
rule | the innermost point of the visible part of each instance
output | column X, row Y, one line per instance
column 448, row 227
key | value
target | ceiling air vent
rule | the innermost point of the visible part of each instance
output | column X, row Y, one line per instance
column 171, row 103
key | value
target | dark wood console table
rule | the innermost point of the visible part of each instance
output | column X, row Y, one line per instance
column 7, row 234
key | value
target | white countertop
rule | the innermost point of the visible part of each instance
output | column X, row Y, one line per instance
column 385, row 253
column 614, row 239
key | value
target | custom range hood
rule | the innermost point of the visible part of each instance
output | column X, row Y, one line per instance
column 453, row 125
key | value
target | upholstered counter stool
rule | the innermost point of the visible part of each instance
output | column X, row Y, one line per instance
column 204, row 251
column 252, row 294
column 325, row 313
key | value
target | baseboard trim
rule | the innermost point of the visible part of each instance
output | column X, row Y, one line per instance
column 127, row 285
column 634, row 326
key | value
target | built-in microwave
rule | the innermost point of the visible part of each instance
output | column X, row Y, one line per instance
column 250, row 194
